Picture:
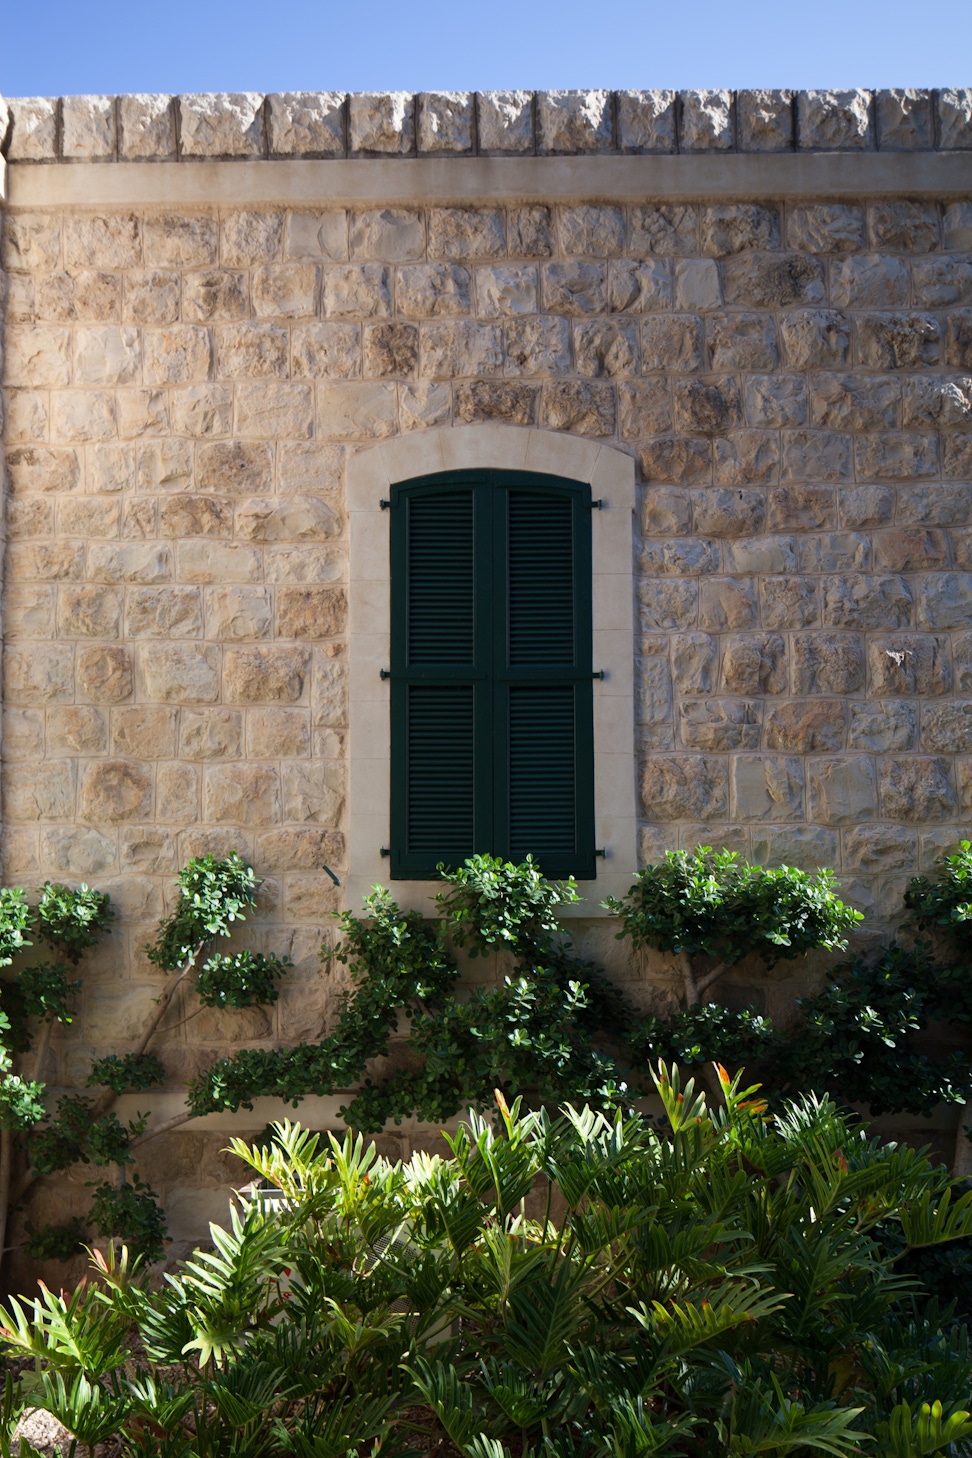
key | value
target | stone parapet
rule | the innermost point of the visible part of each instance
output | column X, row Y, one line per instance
column 305, row 124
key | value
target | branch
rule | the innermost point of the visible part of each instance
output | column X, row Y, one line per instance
column 704, row 983
column 162, row 1128
column 688, row 977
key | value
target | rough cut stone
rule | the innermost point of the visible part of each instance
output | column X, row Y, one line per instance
column 466, row 233
column 918, row 790
column 955, row 118
column 686, row 786
column 587, row 409
column 726, row 513
column 765, row 121
column 842, row 790
column 697, row 284
column 508, row 400
column 705, row 123
column 671, row 342
column 318, row 235
column 768, row 280
column 88, row 128
column 854, row 402
column 381, row 122
column 424, row 405
column 805, row 727
column 898, row 341
column 239, row 614
column 947, row 728
column 815, row 338
column 827, row 663
column 754, row 663
column 250, row 237
column 143, row 733
column 727, row 602
column 502, row 291
column 646, row 121
column 505, row 121
column 766, row 787
column 173, row 673
column 33, row 131
column 606, row 347
column 146, row 128
column 909, row 663
column 729, row 228
column 710, row 407
column 719, row 724
column 860, row 601
column 47, row 793
column 114, row 790
column 881, row 727
column 242, row 794
column 390, row 235
column 265, row 675
column 457, row 348
column 830, row 121
column 433, row 290
column 390, row 350
column 668, row 603
column 226, row 124
column 668, row 229
column 445, row 122
column 904, row 120
column 306, row 124
column 695, row 658
column 826, row 227
column 357, row 290
column 908, row 227
column 742, row 342
column 573, row 121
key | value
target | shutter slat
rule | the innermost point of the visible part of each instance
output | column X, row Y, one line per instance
column 541, row 578
column 542, row 770
column 440, row 578
column 441, row 753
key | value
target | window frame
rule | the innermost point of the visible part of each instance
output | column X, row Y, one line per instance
column 489, row 662
column 370, row 474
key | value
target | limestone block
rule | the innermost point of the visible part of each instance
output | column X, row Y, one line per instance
column 88, row 128
column 29, row 611
column 727, row 602
column 670, row 228
column 196, row 516
column 224, row 124
column 78, row 852
column 211, row 734
column 506, row 291
column 424, row 405
column 808, row 847
column 773, row 281
column 284, row 290
column 146, row 849
column 390, row 235
column 676, row 787
column 202, row 561
column 216, row 295
column 82, row 415
column 684, row 556
column 957, row 226
column 587, row 229
column 237, row 614
column 705, row 121
column 842, row 790
column 331, row 350
column 33, row 129
column 146, row 128
column 356, row 411
column 311, row 897
column 606, row 347
column 729, row 228
column 181, row 240
column 814, row 338
column 907, row 227
column 742, row 342
column 877, row 848
column 869, row 281
column 646, row 121
column 265, row 675
column 505, row 121
column 673, row 458
column 279, row 734
column 697, row 284
column 151, row 298
column 826, row 228
column 747, row 455
column 103, row 240
column 178, row 673
column 129, row 562
column 111, row 468
column 39, row 356
column 827, row 663
column 107, row 356
column 909, row 663
column 947, row 728
column 139, row 518
column 644, row 409
column 860, row 601
column 177, row 793
column 904, row 120
column 908, row 550
column 458, row 348
column 88, row 611
column 381, row 122
column 79, row 294
column 313, row 792
column 306, row 124
column 462, row 234
column 531, row 231
column 587, row 409
column 653, row 691
column 143, row 733
column 937, row 400
column 954, row 118
column 813, row 726
column 828, row 121
column 941, row 282
column 695, row 661
column 896, row 456
column 957, row 454
column 719, row 724
column 390, row 350
column 754, row 663
column 318, row 235
column 819, row 455
column 765, row 787
column 765, row 121
column 919, row 790
column 177, row 355
column 77, row 730
column 672, row 342
column 307, row 613
column 445, row 123
column 433, row 290
column 305, row 564
column 775, row 400
column 891, row 341
column 47, row 793
column 356, row 290
column 294, row 519
column 250, row 237
column 46, row 561
column 272, row 409
column 883, row 727
column 723, row 513
column 104, row 675
column 573, row 121
column 710, row 407
column 670, row 603
column 509, row 401
column 165, row 466
column 31, row 241
column 115, row 790
column 23, row 734
column 639, row 286
column 30, row 516
column 241, row 794
column 538, row 346
column 854, row 402
column 252, row 351
column 942, row 506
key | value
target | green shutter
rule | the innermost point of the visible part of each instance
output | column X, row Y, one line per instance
column 492, row 708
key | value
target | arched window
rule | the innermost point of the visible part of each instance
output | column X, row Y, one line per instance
column 492, row 742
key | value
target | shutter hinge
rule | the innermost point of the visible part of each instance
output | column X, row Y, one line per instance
column 326, row 867
column 599, row 673
column 384, row 504
column 602, row 853
column 385, row 851
column 384, row 673
column 597, row 505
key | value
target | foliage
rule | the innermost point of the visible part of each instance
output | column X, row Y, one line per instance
column 727, row 1283
column 247, row 979
column 493, row 904
column 72, row 920
column 127, row 1072
column 944, row 902
column 213, row 896
column 56, row 1242
column 131, row 1213
column 710, row 903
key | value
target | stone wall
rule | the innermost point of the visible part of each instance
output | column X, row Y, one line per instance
column 183, row 387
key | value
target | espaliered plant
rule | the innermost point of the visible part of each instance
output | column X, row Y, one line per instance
column 727, row 1283
column 214, row 896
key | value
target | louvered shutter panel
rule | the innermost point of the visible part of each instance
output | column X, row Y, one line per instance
column 492, row 742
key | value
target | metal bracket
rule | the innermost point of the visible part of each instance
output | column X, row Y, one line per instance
column 385, row 851
column 385, row 505
column 326, row 867
column 597, row 505
column 599, row 673
column 602, row 853
column 384, row 673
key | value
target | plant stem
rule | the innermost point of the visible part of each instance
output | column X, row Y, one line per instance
column 962, row 1165
column 688, row 978
column 162, row 1128
column 6, row 1166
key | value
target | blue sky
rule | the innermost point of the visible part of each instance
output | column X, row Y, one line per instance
column 65, row 46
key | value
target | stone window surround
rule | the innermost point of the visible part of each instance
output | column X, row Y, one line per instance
column 370, row 475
